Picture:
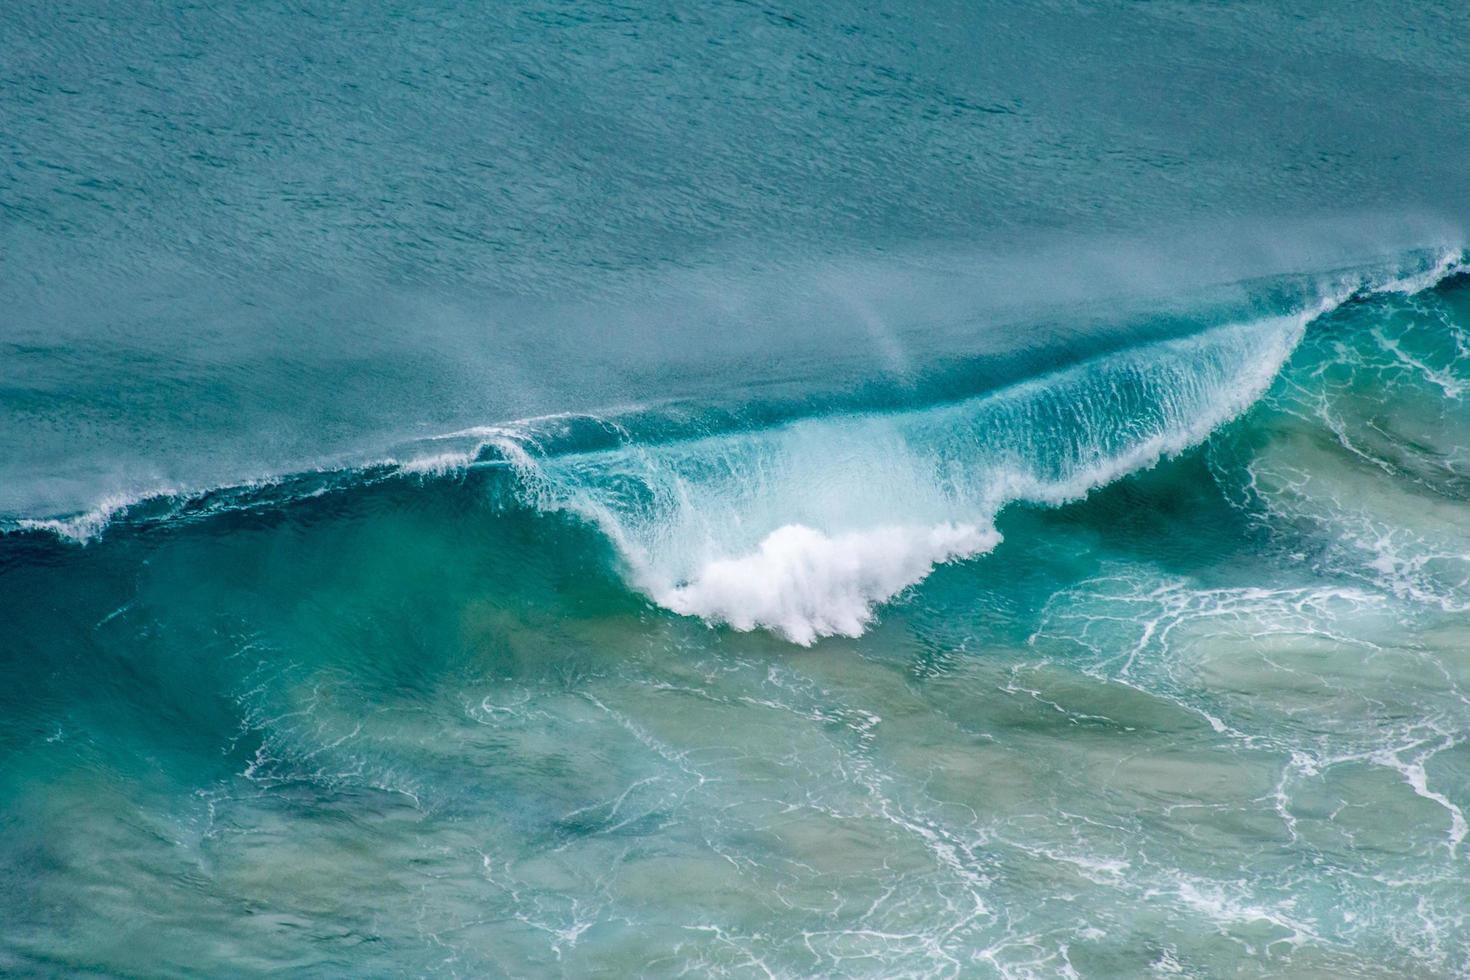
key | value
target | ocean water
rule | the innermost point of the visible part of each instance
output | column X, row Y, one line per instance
column 859, row 489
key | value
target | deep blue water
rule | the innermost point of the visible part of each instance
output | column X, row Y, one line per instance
column 852, row 489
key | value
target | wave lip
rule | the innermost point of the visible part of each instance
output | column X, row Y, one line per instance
column 88, row 525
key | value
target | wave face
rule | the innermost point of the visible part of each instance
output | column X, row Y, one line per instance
column 804, row 528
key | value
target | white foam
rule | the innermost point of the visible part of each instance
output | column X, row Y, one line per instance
column 1448, row 262
column 86, row 527
column 438, row 464
column 804, row 584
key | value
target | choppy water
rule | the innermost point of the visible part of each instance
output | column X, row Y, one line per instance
column 568, row 489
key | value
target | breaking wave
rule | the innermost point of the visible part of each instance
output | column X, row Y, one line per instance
column 806, row 526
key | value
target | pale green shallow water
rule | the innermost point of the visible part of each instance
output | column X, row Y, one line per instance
column 598, row 490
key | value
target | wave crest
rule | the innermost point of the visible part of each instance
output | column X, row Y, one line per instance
column 804, row 528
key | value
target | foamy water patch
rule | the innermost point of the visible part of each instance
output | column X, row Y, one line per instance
column 805, row 584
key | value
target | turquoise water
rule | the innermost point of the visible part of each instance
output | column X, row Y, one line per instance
column 568, row 489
